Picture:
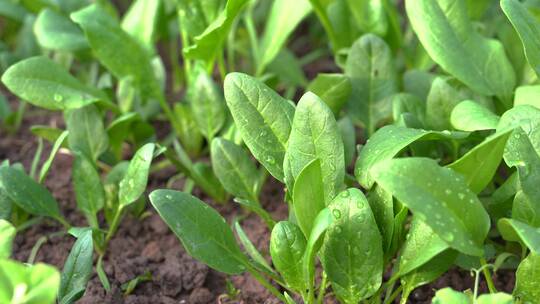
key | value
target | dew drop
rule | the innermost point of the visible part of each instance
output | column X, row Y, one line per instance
column 336, row 213
column 345, row 193
column 461, row 196
column 270, row 160
column 58, row 97
column 438, row 216
column 449, row 236
column 448, row 191
column 168, row 196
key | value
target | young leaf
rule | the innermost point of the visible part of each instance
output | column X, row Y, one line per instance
column 449, row 296
column 382, row 206
column 370, row 16
column 478, row 62
column 263, row 118
column 480, row 164
column 352, row 254
column 527, row 95
column 250, row 248
column 134, row 182
column 528, row 29
column 517, row 231
column 283, row 19
column 89, row 190
column 28, row 194
column 54, row 150
column 208, row 107
column 471, row 116
column 55, row 31
column 203, row 232
column 333, row 89
column 315, row 135
column 527, row 288
column 120, row 53
column 323, row 220
column 40, row 281
column 43, row 83
column 209, row 43
column 287, row 247
column 387, row 143
column 495, row 298
column 348, row 136
column 370, row 69
column 235, row 170
column 437, row 196
column 77, row 269
column 86, row 132
column 140, row 21
column 7, row 234
column 308, row 196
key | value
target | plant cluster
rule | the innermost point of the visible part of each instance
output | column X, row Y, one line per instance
column 443, row 94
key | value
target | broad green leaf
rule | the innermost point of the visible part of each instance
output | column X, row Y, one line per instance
column 209, row 43
column 283, row 19
column 407, row 105
column 120, row 53
column 495, row 298
column 333, row 89
column 207, row 104
column 28, row 194
column 480, row 164
column 370, row 68
column 370, row 15
column 382, row 206
column 7, row 234
column 387, row 143
column 48, row 133
column 6, row 205
column 418, row 83
column 188, row 132
column 34, row 284
column 428, row 272
column 469, row 115
column 287, row 247
column 527, row 287
column 517, row 231
column 86, row 132
column 205, row 178
column 203, row 232
column 449, row 296
column 528, row 118
column 55, row 31
column 89, row 190
column 140, row 21
column 315, row 135
column 527, row 95
column 348, row 136
column 134, row 182
column 308, row 195
column 77, row 269
column 421, row 246
column 12, row 10
column 263, row 118
column 323, row 220
column 288, row 68
column 119, row 130
column 478, row 62
column 352, row 253
column 43, row 83
column 235, row 170
column 528, row 29
column 438, row 197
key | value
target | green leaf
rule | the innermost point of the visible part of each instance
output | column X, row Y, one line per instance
column 287, row 247
column 437, row 196
column 209, row 111
column 449, row 296
column 333, row 89
column 527, row 287
column 235, row 170
column 140, row 21
column 428, row 272
column 352, row 254
column 55, row 31
column 517, row 231
column 370, row 68
column 251, row 250
column 283, row 19
column 382, row 206
column 527, row 95
column 480, row 164
column 28, row 194
column 120, row 53
column 77, row 269
column 58, row 143
column 315, row 135
column 387, row 143
column 471, row 116
column 86, row 132
column 208, row 44
column 288, row 68
column 263, row 118
column 370, row 15
column 43, row 83
column 188, row 131
column 495, row 298
column 348, row 135
column 40, row 281
column 421, row 246
column 203, row 232
column 478, row 62
column 528, row 29
column 88, row 188
column 308, row 196
column 134, row 182
column 12, row 10
column 7, row 234
column 528, row 118
column 323, row 220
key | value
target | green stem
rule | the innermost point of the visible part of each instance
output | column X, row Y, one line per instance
column 27, row 224
column 394, row 295
column 322, row 288
column 222, row 70
column 113, row 227
column 487, row 275
column 252, row 33
column 265, row 283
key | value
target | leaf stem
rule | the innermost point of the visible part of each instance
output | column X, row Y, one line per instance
column 487, row 275
column 322, row 288
column 113, row 227
column 394, row 295
column 265, row 283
